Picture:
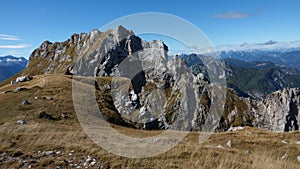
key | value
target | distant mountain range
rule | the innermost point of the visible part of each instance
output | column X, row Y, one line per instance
column 251, row 76
column 287, row 59
column 256, row 70
column 269, row 46
column 10, row 65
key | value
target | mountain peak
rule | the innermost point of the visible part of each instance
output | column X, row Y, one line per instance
column 121, row 32
column 45, row 44
column 121, row 28
column 10, row 58
column 110, row 47
column 270, row 42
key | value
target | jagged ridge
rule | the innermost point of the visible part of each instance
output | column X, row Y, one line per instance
column 104, row 54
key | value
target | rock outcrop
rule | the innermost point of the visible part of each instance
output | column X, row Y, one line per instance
column 280, row 110
column 149, row 91
column 22, row 79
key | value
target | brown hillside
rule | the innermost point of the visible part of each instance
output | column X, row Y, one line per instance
column 26, row 145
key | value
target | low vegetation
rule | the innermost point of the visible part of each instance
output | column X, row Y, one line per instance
column 27, row 145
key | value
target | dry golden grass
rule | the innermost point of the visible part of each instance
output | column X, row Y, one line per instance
column 66, row 134
column 266, row 148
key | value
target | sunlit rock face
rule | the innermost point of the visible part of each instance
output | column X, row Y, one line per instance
column 151, row 92
column 281, row 110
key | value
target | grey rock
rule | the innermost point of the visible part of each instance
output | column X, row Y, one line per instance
column 3, row 154
column 44, row 115
column 48, row 153
column 48, row 98
column 93, row 163
column 233, row 129
column 22, row 79
column 4, row 92
column 229, row 144
column 25, row 102
column 89, row 159
column 219, row 146
column 59, row 167
column 18, row 89
column 22, row 122
column 285, row 156
column 248, row 152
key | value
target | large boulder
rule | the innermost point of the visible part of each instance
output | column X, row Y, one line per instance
column 44, row 115
column 22, row 79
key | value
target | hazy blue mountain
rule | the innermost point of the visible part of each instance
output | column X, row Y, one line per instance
column 10, row 65
column 287, row 59
column 269, row 46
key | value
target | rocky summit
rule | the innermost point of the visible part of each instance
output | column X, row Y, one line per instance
column 148, row 90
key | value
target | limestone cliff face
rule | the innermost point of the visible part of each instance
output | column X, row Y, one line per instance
column 280, row 110
column 94, row 53
column 56, row 58
column 151, row 92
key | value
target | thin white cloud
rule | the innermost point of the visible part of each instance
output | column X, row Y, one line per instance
column 233, row 15
column 20, row 46
column 9, row 37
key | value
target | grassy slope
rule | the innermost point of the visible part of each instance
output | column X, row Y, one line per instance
column 66, row 134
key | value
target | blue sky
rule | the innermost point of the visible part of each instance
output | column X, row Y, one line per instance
column 25, row 24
